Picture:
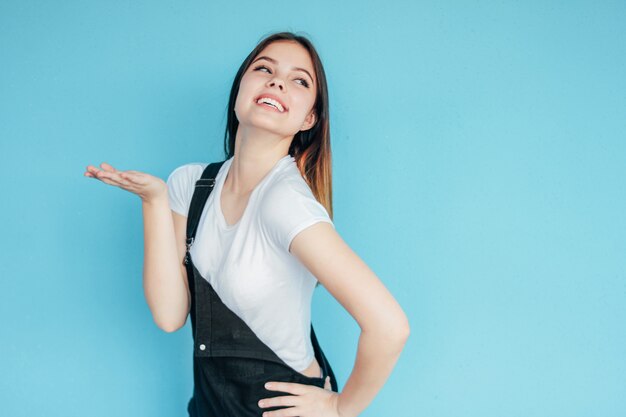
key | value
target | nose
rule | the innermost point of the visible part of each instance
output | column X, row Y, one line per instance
column 276, row 81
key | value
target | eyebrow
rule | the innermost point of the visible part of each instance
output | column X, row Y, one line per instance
column 273, row 61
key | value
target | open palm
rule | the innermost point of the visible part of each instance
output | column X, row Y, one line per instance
column 146, row 186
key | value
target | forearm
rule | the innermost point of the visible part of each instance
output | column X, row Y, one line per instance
column 376, row 357
column 164, row 286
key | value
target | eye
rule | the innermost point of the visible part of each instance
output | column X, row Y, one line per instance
column 304, row 82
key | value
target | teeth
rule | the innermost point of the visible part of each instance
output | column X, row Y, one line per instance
column 272, row 102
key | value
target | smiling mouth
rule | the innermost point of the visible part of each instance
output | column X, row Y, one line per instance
column 270, row 107
column 271, row 102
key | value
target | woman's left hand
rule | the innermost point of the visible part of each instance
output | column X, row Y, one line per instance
column 305, row 401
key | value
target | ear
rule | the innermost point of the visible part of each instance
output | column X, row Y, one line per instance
column 309, row 121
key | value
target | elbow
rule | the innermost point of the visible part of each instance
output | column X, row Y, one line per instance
column 171, row 324
column 170, row 327
column 402, row 330
column 394, row 332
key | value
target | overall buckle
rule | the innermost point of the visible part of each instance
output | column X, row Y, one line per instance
column 188, row 243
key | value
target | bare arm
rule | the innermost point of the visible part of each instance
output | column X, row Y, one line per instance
column 164, row 275
column 384, row 326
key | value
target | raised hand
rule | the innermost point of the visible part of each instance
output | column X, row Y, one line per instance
column 148, row 187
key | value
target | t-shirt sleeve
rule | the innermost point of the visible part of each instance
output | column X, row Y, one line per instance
column 289, row 208
column 180, row 186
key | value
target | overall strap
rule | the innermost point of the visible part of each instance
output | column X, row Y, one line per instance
column 201, row 193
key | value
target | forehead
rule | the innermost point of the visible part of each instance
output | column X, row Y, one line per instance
column 288, row 54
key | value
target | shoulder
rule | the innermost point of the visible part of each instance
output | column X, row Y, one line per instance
column 181, row 184
column 287, row 189
column 189, row 171
column 287, row 207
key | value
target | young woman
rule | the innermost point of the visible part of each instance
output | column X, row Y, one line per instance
column 264, row 239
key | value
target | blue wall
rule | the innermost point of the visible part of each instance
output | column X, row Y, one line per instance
column 479, row 156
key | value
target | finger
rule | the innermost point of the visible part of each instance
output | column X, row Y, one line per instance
column 107, row 180
column 108, row 175
column 285, row 412
column 290, row 387
column 114, row 179
column 108, row 167
column 285, row 401
column 132, row 177
column 92, row 170
column 327, row 384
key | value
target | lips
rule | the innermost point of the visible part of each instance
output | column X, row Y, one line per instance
column 273, row 97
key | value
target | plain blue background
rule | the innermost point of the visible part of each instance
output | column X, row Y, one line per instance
column 479, row 162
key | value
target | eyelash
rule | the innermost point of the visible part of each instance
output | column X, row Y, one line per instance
column 306, row 83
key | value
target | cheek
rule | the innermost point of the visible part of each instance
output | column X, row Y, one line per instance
column 305, row 105
column 245, row 85
column 244, row 94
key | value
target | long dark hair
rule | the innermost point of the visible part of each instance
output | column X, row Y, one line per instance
column 310, row 148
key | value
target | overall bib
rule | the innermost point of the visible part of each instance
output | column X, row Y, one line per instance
column 230, row 363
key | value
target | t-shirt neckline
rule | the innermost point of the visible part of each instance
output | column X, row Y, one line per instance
column 218, row 197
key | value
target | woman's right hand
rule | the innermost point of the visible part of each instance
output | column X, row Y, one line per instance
column 148, row 187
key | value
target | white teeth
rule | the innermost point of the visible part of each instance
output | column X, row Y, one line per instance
column 272, row 102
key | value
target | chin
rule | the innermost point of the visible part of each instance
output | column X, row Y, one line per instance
column 266, row 123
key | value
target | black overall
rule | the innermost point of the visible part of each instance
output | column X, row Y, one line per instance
column 230, row 363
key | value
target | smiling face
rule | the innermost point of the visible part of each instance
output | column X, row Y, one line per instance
column 283, row 73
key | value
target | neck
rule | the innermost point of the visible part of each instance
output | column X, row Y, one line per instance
column 256, row 152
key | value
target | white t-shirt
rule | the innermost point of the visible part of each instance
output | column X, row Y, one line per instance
column 248, row 264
